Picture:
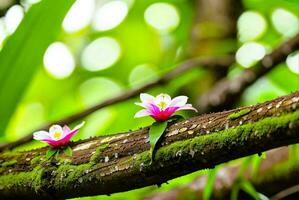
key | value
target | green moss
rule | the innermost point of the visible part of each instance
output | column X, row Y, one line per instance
column 23, row 180
column 35, row 160
column 239, row 134
column 99, row 151
column 239, row 114
column 70, row 174
column 8, row 163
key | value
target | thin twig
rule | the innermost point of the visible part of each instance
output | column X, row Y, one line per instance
column 211, row 63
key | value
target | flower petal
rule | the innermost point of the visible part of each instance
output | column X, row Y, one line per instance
column 53, row 143
column 67, row 136
column 55, row 129
column 144, row 105
column 41, row 135
column 142, row 113
column 188, row 107
column 179, row 101
column 146, row 98
column 79, row 125
column 66, row 130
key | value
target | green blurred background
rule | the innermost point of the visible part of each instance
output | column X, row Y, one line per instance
column 106, row 47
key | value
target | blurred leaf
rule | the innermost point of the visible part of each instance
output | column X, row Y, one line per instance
column 24, row 50
column 207, row 193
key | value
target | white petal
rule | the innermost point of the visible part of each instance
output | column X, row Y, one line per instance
column 163, row 97
column 140, row 104
column 79, row 125
column 179, row 101
column 41, row 135
column 146, row 98
column 55, row 128
column 188, row 107
column 142, row 113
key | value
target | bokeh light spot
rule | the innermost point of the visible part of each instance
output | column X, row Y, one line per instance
column 285, row 22
column 110, row 15
column 249, row 53
column 163, row 17
column 101, row 54
column 142, row 74
column 251, row 25
column 79, row 16
column 13, row 18
column 59, row 61
column 98, row 89
column 293, row 62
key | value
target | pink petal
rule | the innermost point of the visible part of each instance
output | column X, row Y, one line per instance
column 68, row 136
column 142, row 113
column 41, row 135
column 179, row 101
column 53, row 143
column 66, row 130
column 163, row 115
column 153, row 109
column 188, row 107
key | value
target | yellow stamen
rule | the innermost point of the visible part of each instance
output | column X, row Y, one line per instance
column 162, row 105
column 57, row 135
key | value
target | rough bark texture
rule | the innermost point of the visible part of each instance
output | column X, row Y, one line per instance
column 227, row 91
column 275, row 173
column 105, row 165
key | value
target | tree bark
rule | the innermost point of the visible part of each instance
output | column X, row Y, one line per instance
column 105, row 165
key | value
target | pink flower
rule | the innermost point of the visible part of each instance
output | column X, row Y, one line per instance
column 162, row 107
column 57, row 136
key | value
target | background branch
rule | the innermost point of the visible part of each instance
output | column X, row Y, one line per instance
column 226, row 92
column 103, row 165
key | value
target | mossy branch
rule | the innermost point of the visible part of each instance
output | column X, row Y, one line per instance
column 105, row 165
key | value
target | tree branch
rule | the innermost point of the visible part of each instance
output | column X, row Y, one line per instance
column 227, row 91
column 105, row 165
column 209, row 63
column 275, row 173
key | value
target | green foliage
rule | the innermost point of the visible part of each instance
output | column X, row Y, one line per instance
column 23, row 52
column 68, row 151
column 51, row 152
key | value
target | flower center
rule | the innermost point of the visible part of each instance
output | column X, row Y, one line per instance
column 162, row 105
column 57, row 135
